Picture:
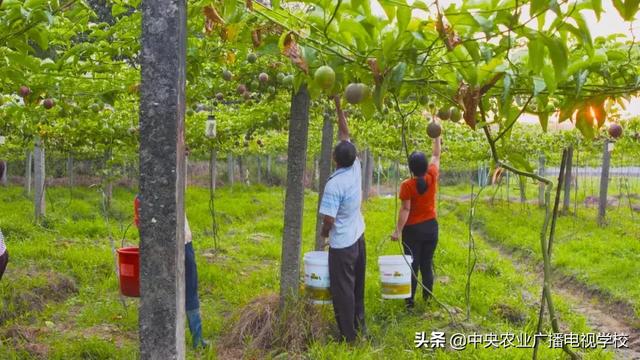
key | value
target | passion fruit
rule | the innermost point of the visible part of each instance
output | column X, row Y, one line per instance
column 615, row 131
column 434, row 129
column 325, row 77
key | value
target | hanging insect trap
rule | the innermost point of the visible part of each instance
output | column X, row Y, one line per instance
column 210, row 128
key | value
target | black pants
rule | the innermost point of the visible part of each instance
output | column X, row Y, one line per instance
column 346, row 277
column 190, row 278
column 4, row 259
column 420, row 241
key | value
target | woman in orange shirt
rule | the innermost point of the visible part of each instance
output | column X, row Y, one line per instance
column 417, row 217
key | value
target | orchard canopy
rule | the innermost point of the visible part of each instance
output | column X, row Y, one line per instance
column 70, row 70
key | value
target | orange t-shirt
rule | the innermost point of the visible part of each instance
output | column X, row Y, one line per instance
column 423, row 207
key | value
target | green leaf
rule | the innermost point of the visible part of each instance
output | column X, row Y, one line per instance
column 519, row 161
column 597, row 8
column 538, row 85
column 549, row 78
column 390, row 11
column 536, row 55
column 118, row 9
column 537, row 6
column 585, row 124
column 40, row 35
column 543, row 117
column 397, row 75
column 559, row 55
column 627, row 9
column 403, row 16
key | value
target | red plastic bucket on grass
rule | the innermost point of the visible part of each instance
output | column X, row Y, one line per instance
column 129, row 269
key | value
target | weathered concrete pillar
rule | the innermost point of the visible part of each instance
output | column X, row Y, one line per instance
column 259, row 170
column 326, row 157
column 269, row 180
column 39, row 173
column 213, row 169
column 70, row 170
column 162, row 179
column 230, row 168
column 4, row 175
column 368, row 175
column 604, row 182
column 566, row 204
column 294, row 198
column 27, row 171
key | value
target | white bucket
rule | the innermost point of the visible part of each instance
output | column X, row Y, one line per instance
column 316, row 277
column 395, row 276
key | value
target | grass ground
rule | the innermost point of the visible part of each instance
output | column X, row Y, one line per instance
column 60, row 299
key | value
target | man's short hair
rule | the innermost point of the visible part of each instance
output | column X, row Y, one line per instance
column 344, row 153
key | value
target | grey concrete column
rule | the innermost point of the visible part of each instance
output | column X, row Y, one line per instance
column 213, row 169
column 604, row 182
column 259, row 170
column 27, row 172
column 70, row 170
column 566, row 203
column 5, row 171
column 326, row 152
column 230, row 168
column 294, row 197
column 39, row 173
column 162, row 179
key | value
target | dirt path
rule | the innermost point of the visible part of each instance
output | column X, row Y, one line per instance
column 603, row 315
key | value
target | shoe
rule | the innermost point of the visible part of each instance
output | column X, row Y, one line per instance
column 409, row 304
column 195, row 327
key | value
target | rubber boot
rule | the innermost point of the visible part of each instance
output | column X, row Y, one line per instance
column 195, row 327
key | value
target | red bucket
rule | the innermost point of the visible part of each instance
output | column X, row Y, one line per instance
column 129, row 268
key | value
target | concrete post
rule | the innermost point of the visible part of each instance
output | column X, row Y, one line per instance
column 604, row 182
column 39, row 173
column 162, row 179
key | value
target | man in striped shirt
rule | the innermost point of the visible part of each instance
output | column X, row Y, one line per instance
column 4, row 255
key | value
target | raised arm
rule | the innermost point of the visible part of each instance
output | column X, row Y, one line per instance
column 343, row 129
column 435, row 152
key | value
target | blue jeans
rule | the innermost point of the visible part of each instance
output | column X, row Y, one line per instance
column 191, row 278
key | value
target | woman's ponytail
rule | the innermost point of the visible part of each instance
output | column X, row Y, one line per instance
column 421, row 184
column 418, row 166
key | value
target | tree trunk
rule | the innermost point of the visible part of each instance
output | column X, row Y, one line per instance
column 39, row 172
column 27, row 172
column 324, row 165
column 566, row 204
column 213, row 169
column 230, row 169
column 541, row 187
column 294, row 199
column 604, row 182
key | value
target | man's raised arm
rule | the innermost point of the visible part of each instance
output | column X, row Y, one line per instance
column 343, row 129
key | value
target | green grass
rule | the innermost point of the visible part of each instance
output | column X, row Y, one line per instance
column 603, row 258
column 88, row 321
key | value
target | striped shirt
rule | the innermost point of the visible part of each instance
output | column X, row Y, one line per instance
column 3, row 248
